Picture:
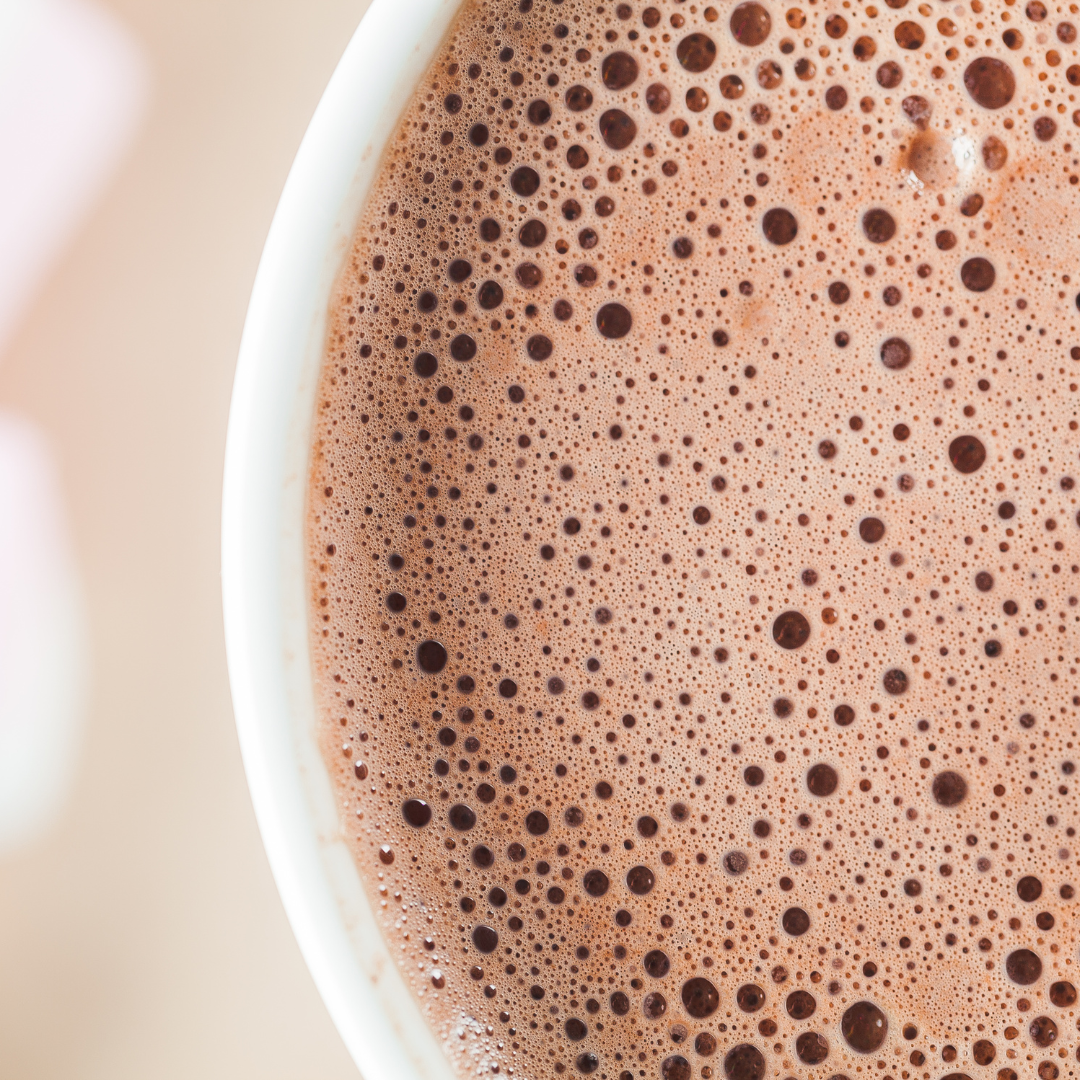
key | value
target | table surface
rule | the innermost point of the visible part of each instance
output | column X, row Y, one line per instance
column 144, row 935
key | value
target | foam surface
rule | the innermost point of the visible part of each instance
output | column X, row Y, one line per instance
column 694, row 541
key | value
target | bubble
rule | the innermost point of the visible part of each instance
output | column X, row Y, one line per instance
column 990, row 82
column 836, row 26
column 647, row 826
column 732, row 88
column 525, row 181
column 744, row 1062
column 613, row 321
column 871, row 529
column 800, row 1005
column 489, row 295
column 539, row 347
column 617, row 129
column 967, row 453
column 538, row 112
column 864, row 1027
column 640, row 880
column 779, row 226
column 675, row 1067
column 575, row 1029
column 811, row 1048
column 532, row 234
column 654, row 1005
column 889, row 75
column 656, row 963
column 1043, row 1031
column 459, row 270
column 696, row 52
column 700, row 998
column 949, row 788
column 879, row 226
column 462, row 348
column 619, row 70
column 994, row 153
column 431, row 657
column 587, row 1062
column 864, row 49
column 909, row 35
column 1062, row 994
column 595, row 882
column 895, row 681
column 482, row 856
column 417, row 812
column 822, row 780
column 657, row 98
column 578, row 98
column 485, row 939
column 977, row 274
column 425, row 365
column 736, row 862
column 461, row 817
column 1023, row 967
column 750, row 997
column 528, row 275
column 705, row 1044
column 769, row 74
column 796, row 921
column 750, row 23
column 895, row 354
column 836, row 98
column 577, row 157
column 1029, row 889
column 791, row 630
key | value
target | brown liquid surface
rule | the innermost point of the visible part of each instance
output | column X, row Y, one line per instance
column 693, row 541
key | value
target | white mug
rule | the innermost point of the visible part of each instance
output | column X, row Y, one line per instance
column 263, row 558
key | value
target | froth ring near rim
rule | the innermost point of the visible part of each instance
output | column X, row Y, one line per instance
column 264, row 607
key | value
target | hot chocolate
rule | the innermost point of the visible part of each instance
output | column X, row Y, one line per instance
column 694, row 541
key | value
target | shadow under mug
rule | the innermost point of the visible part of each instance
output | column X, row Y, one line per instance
column 263, row 559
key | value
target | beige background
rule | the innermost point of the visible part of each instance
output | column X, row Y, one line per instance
column 144, row 937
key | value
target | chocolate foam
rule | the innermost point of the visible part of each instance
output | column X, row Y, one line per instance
column 694, row 541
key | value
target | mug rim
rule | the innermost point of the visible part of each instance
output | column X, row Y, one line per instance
column 263, row 559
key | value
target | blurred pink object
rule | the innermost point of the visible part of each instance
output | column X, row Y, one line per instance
column 73, row 88
column 42, row 638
